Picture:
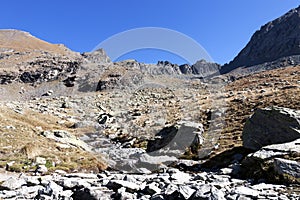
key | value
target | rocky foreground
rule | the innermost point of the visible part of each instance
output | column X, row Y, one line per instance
column 270, row 172
column 109, row 124
column 169, row 183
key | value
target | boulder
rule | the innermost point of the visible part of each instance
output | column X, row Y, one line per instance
column 174, row 140
column 287, row 167
column 273, row 125
column 65, row 137
column 42, row 169
column 186, row 191
column 117, row 184
column 275, row 163
column 152, row 189
column 52, row 190
column 12, row 184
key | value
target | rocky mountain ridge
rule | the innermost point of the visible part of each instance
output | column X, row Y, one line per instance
column 27, row 59
column 275, row 40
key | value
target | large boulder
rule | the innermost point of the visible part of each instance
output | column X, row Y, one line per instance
column 276, row 163
column 272, row 125
column 175, row 139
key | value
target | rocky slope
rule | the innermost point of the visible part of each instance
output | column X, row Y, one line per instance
column 277, row 41
column 26, row 59
column 142, row 131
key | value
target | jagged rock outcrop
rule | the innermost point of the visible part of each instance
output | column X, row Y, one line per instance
column 276, row 163
column 201, row 67
column 274, row 134
column 271, row 126
column 168, row 184
column 277, row 39
column 205, row 68
column 118, row 77
column 27, row 59
column 99, row 56
column 177, row 138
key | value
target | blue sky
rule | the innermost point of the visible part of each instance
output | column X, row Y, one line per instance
column 222, row 27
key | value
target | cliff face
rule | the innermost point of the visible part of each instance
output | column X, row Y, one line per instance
column 277, row 39
column 25, row 58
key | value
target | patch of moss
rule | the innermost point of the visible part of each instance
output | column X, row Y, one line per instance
column 48, row 164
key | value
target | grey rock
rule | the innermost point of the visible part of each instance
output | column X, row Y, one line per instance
column 164, row 137
column 202, row 192
column 65, row 137
column 29, row 192
column 98, row 56
column 261, row 164
column 152, row 188
column 201, row 176
column 66, row 194
column 232, row 196
column 242, row 190
column 204, row 68
column 120, row 77
column 173, row 140
column 8, row 194
column 186, row 191
column 104, row 118
column 287, row 167
column 145, row 197
column 89, row 193
column 179, row 177
column 32, row 180
column 42, row 169
column 226, row 171
column 201, row 68
column 243, row 197
column 61, row 172
column 148, row 160
column 45, row 180
column 70, row 183
column 271, row 126
column 276, row 150
column 157, row 197
column 123, row 194
column 40, row 160
column 12, row 183
column 116, row 184
column 170, row 189
column 52, row 189
column 216, row 194
column 264, row 186
column 82, row 175
column 48, row 93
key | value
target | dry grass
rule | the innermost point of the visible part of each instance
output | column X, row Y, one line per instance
column 23, row 41
column 20, row 138
column 20, row 141
column 280, row 87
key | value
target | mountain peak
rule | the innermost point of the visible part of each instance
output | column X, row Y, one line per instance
column 11, row 39
column 276, row 39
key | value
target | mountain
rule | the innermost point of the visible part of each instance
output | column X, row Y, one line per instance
column 127, row 130
column 201, row 68
column 276, row 44
column 25, row 58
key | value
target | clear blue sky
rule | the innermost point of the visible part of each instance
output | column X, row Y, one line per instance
column 222, row 27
